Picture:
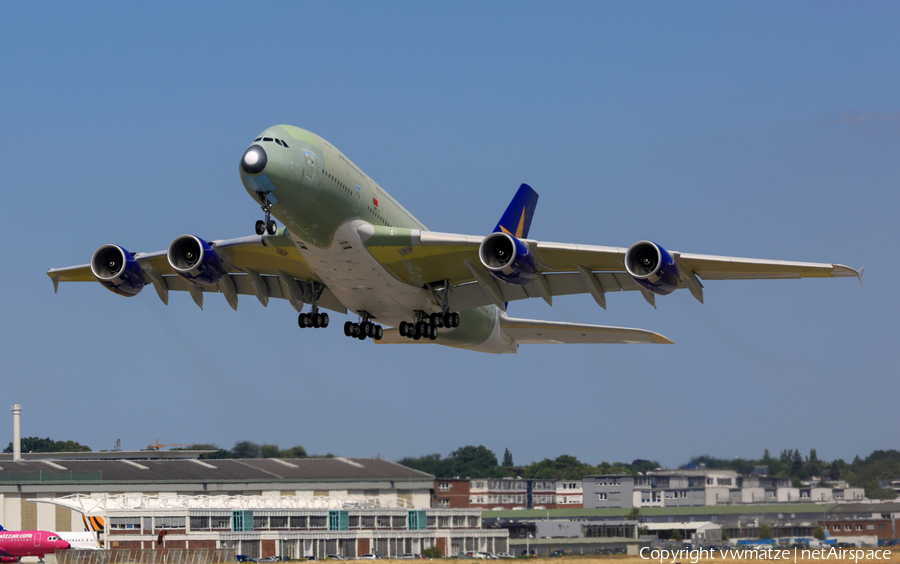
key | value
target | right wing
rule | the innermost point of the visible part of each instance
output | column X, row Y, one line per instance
column 533, row 331
column 265, row 266
column 426, row 257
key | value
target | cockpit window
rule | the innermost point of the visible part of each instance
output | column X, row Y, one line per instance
column 257, row 139
column 278, row 141
column 267, row 139
column 285, row 145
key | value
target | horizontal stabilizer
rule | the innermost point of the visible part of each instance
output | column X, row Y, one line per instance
column 533, row 331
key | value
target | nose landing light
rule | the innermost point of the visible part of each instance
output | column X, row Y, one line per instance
column 254, row 160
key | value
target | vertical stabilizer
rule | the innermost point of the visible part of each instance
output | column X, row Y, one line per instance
column 516, row 221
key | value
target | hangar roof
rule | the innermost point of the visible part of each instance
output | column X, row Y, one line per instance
column 239, row 470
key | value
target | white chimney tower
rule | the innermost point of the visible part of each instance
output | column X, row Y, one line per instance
column 17, row 432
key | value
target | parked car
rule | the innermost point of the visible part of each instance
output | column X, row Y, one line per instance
column 409, row 556
column 269, row 559
column 557, row 553
column 505, row 555
column 369, row 556
column 245, row 558
column 335, row 557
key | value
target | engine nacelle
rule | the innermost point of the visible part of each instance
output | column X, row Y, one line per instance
column 117, row 270
column 652, row 267
column 507, row 258
column 194, row 260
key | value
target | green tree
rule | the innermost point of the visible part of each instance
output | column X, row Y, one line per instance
column 245, row 449
column 433, row 552
column 507, row 458
column 269, row 451
column 820, row 533
column 724, row 535
column 294, row 452
column 430, row 464
column 677, row 536
column 473, row 461
column 634, row 514
column 37, row 444
column 765, row 532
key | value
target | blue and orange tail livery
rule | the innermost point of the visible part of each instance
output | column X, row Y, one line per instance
column 516, row 221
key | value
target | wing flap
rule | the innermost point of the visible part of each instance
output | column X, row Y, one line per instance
column 532, row 331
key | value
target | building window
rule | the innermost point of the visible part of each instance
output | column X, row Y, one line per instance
column 444, row 503
column 601, row 497
column 880, row 526
column 858, row 527
column 444, row 486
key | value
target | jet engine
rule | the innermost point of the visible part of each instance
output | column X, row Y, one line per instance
column 117, row 270
column 194, row 260
column 507, row 258
column 652, row 267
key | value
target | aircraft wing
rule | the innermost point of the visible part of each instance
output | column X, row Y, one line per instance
column 265, row 266
column 426, row 257
column 533, row 331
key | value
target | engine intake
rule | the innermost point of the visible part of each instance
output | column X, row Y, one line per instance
column 507, row 258
column 194, row 260
column 652, row 267
column 117, row 270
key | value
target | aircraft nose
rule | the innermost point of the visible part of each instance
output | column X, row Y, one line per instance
column 254, row 160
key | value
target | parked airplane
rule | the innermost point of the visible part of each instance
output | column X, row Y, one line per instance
column 80, row 540
column 16, row 544
column 347, row 245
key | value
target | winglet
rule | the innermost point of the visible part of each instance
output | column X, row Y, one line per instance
column 859, row 274
column 516, row 220
column 55, row 283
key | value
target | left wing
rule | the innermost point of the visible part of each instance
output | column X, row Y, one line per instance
column 424, row 257
column 265, row 266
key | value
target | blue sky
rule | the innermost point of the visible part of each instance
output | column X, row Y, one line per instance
column 747, row 129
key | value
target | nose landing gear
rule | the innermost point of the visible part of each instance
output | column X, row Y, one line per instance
column 268, row 225
column 364, row 328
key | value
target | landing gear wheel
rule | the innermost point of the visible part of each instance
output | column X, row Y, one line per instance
column 362, row 333
column 301, row 320
column 316, row 320
column 348, row 329
column 447, row 319
column 324, row 321
column 455, row 319
column 260, row 227
column 403, row 328
column 379, row 332
column 420, row 329
column 433, row 332
column 354, row 330
column 271, row 227
column 433, row 318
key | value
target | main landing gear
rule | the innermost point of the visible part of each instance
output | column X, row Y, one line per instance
column 268, row 226
column 314, row 318
column 426, row 327
column 363, row 329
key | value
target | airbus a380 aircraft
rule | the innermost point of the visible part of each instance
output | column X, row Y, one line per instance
column 347, row 245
